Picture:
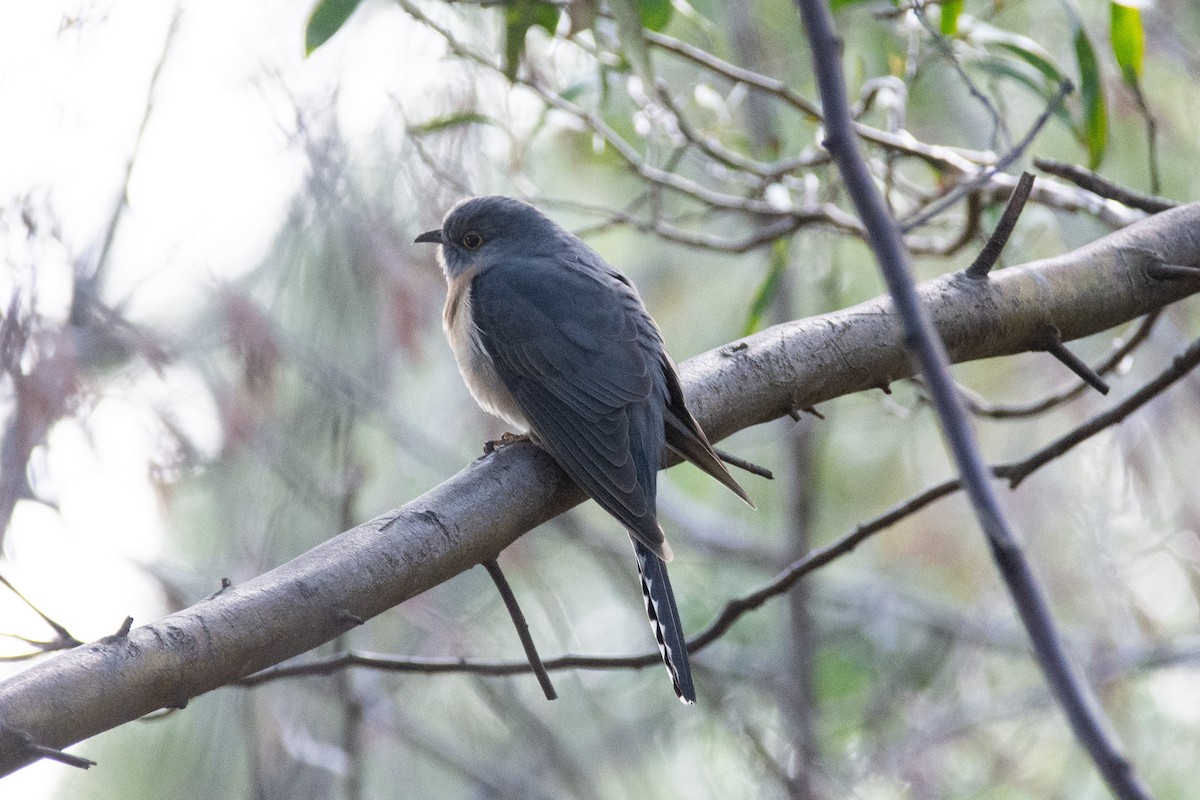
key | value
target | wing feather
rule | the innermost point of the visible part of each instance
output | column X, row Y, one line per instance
column 570, row 342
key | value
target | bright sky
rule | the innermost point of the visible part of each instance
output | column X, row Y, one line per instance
column 211, row 182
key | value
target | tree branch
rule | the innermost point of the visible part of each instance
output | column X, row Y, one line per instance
column 1074, row 695
column 474, row 515
column 1014, row 472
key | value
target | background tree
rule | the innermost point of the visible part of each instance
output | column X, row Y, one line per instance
column 690, row 154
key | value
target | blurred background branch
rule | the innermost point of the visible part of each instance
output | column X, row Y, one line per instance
column 261, row 366
column 361, row 573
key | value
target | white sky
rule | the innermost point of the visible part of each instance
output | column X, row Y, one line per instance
column 210, row 185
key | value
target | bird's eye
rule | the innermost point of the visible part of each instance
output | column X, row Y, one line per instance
column 472, row 240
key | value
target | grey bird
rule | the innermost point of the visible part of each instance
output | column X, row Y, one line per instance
column 559, row 345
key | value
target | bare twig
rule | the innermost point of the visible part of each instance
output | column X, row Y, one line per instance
column 55, row 754
column 759, row 237
column 518, row 618
column 1076, row 364
column 731, row 158
column 1081, row 708
column 944, row 46
column 1065, row 197
column 1014, row 472
column 987, row 257
column 970, row 228
column 1121, row 349
column 937, row 156
column 1181, row 365
column 1151, row 135
column 1173, row 272
column 114, row 220
column 915, row 220
column 743, row 464
column 1093, row 182
column 63, row 640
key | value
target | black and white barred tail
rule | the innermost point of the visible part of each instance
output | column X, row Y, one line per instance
column 664, row 620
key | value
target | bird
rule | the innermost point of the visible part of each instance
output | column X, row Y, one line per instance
column 558, row 344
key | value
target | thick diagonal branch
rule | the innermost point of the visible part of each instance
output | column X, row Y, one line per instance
column 474, row 515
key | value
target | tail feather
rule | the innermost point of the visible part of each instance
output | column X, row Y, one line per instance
column 664, row 620
column 685, row 437
column 690, row 443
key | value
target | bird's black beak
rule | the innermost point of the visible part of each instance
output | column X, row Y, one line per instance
column 429, row 237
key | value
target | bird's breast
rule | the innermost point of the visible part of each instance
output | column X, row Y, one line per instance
column 477, row 368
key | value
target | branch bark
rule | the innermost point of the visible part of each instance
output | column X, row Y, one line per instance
column 474, row 515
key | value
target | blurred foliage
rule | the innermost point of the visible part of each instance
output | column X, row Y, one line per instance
column 1128, row 39
column 326, row 19
column 336, row 399
column 1095, row 109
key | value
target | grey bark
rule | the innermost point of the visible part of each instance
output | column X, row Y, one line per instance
column 477, row 513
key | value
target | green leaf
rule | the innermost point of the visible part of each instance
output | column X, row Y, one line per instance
column 1128, row 39
column 577, row 90
column 655, row 14
column 768, row 288
column 452, row 121
column 950, row 11
column 1024, row 48
column 1021, row 59
column 1091, row 88
column 633, row 40
column 1028, row 77
column 327, row 17
column 519, row 17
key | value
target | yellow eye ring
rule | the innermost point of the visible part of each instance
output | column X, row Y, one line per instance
column 471, row 240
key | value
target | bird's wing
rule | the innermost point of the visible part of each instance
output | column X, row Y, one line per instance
column 577, row 351
column 686, row 438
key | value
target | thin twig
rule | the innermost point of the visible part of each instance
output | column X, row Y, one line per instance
column 61, row 756
column 938, row 156
column 722, row 154
column 63, row 640
column 1076, row 364
column 518, row 618
column 970, row 227
column 1079, row 704
column 1151, row 136
column 1014, row 472
column 743, row 464
column 1121, row 350
column 999, row 129
column 827, row 214
column 1097, row 184
column 990, row 254
column 110, row 230
column 919, row 218
column 1181, row 365
column 1065, row 197
column 1173, row 272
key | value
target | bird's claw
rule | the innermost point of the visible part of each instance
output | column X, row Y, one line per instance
column 505, row 440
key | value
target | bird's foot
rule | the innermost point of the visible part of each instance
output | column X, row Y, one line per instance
column 505, row 440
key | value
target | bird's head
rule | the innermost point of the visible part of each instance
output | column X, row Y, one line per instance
column 481, row 231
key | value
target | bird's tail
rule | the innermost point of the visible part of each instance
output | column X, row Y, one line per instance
column 664, row 620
